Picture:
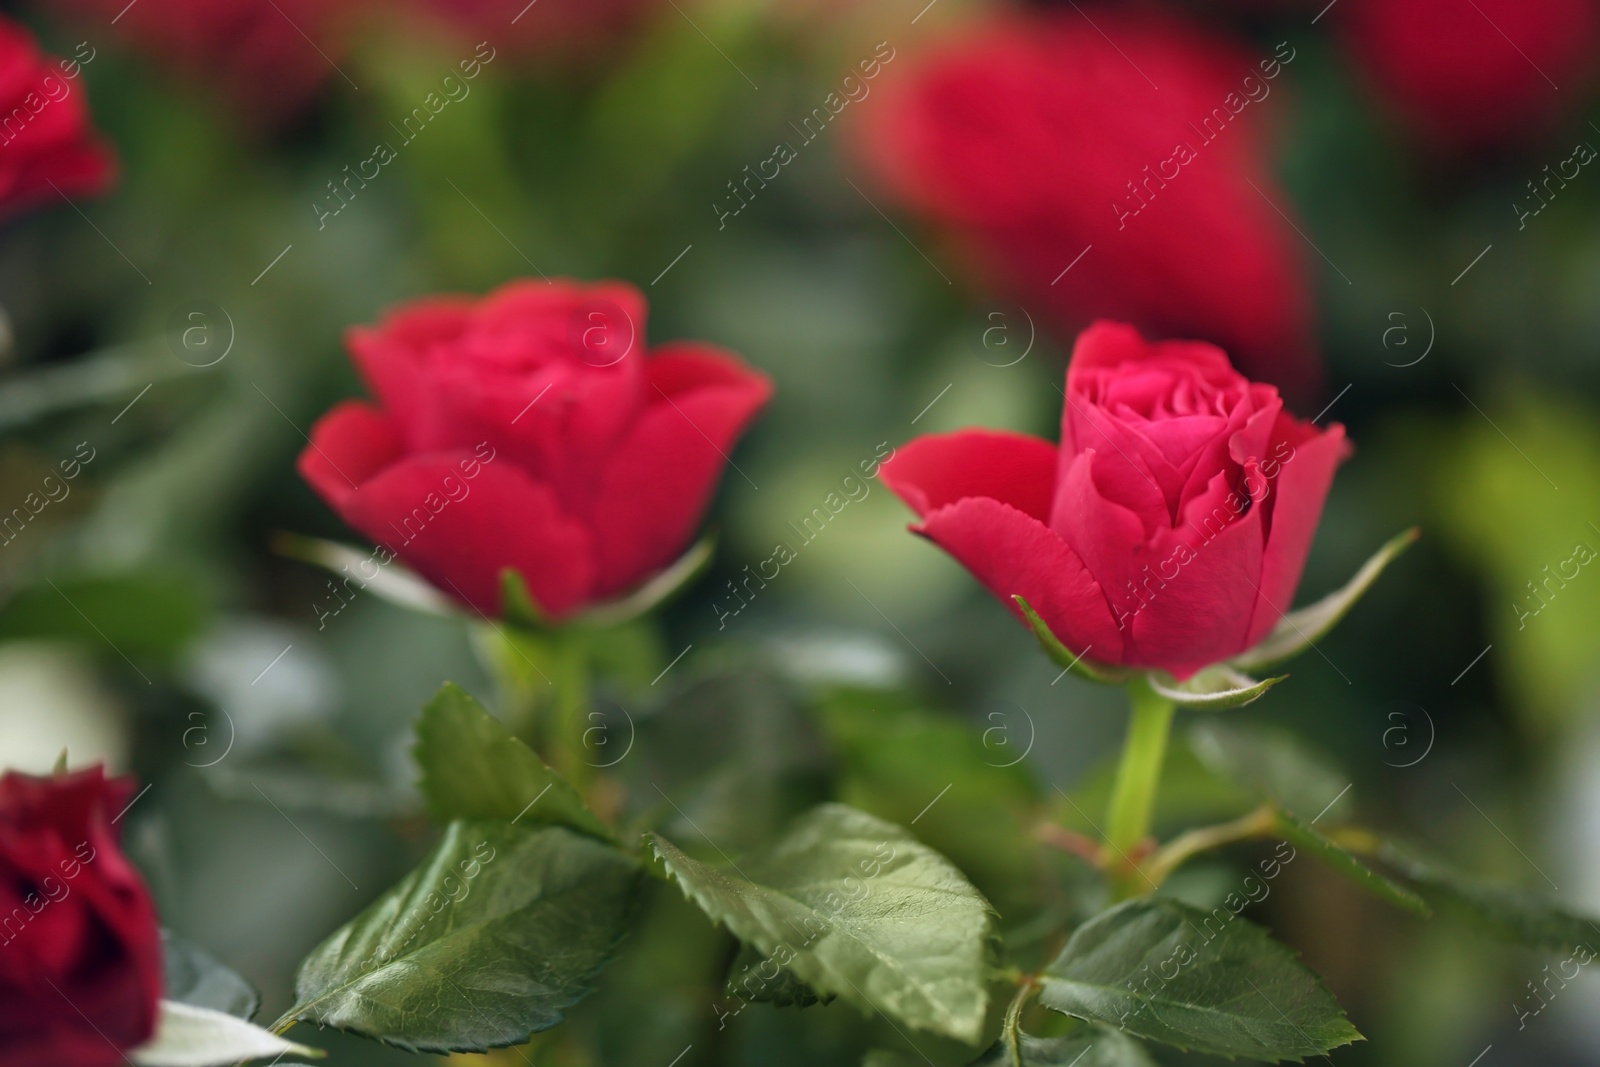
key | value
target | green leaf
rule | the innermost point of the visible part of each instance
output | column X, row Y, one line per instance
column 1176, row 974
column 968, row 788
column 1298, row 630
column 488, row 941
column 188, row 1036
column 138, row 614
column 517, row 605
column 1214, row 688
column 1275, row 765
column 1302, row 835
column 474, row 768
column 1064, row 657
column 856, row 907
column 755, row 977
column 1092, row 1046
column 191, row 976
column 1514, row 914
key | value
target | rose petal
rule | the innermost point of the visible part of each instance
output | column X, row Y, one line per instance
column 1013, row 553
column 349, row 444
column 461, row 531
column 653, row 491
column 1294, row 507
column 1199, row 588
column 391, row 357
column 931, row 472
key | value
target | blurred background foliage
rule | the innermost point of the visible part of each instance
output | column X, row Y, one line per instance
column 872, row 670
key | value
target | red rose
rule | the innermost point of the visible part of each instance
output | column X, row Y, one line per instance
column 45, row 137
column 1030, row 140
column 1474, row 76
column 530, row 430
column 1170, row 527
column 80, row 952
column 266, row 58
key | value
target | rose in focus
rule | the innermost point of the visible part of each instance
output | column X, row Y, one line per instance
column 47, row 148
column 80, row 951
column 531, row 430
column 1169, row 528
column 1050, row 158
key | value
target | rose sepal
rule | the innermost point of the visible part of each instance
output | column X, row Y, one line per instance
column 1064, row 657
column 1298, row 630
column 520, row 609
column 1214, row 688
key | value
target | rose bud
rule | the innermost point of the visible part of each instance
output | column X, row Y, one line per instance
column 80, row 952
column 1048, row 156
column 1167, row 531
column 531, row 431
column 47, row 148
column 1476, row 77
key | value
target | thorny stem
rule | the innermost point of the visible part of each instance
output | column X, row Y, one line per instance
column 1133, row 795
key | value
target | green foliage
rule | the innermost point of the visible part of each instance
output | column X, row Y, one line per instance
column 488, row 941
column 748, row 979
column 190, row 975
column 1215, row 688
column 857, row 907
column 1091, row 1046
column 1211, row 982
column 136, row 614
column 473, row 768
column 1303, row 835
column 1299, row 629
column 945, row 780
column 1502, row 512
column 1513, row 914
column 1275, row 765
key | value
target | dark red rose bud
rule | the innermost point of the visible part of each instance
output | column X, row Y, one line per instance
column 47, row 148
column 531, row 430
column 1476, row 76
column 80, row 951
column 1106, row 168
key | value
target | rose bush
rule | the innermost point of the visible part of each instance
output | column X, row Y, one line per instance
column 47, row 147
column 531, row 430
column 1029, row 140
column 1169, row 528
column 80, row 951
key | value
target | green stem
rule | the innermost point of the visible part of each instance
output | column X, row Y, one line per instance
column 1190, row 843
column 1133, row 796
column 571, row 706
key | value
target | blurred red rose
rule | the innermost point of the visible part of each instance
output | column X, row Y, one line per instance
column 45, row 137
column 1033, row 141
column 266, row 58
column 1170, row 527
column 1475, row 76
column 531, row 430
column 80, row 952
